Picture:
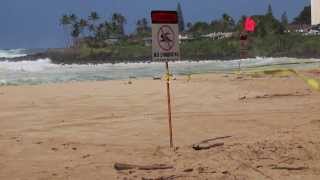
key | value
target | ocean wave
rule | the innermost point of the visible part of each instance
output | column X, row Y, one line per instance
column 43, row 71
column 12, row 53
column 27, row 66
column 46, row 64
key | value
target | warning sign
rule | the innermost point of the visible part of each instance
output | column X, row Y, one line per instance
column 165, row 36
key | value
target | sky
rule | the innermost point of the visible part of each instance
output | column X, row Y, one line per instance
column 35, row 23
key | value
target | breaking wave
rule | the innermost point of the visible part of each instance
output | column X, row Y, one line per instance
column 12, row 53
column 27, row 66
column 44, row 71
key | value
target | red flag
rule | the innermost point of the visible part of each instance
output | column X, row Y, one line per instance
column 250, row 25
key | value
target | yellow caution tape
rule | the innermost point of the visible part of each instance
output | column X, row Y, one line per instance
column 311, row 82
column 167, row 76
column 189, row 77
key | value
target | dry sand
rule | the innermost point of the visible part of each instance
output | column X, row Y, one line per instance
column 79, row 130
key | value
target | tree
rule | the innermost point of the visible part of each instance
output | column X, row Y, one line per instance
column 92, row 19
column 284, row 20
column 200, row 28
column 143, row 27
column 76, row 31
column 82, row 25
column 104, row 30
column 239, row 25
column 225, row 24
column 228, row 22
column 180, row 18
column 118, row 21
column 189, row 25
column 73, row 18
column 304, row 17
column 267, row 25
column 70, row 23
column 93, row 16
column 269, row 11
column 65, row 22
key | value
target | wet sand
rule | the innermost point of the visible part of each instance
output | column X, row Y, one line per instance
column 79, row 130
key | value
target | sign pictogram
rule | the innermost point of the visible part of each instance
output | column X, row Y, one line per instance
column 166, row 38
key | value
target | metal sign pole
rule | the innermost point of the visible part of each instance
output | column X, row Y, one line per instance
column 243, row 48
column 169, row 104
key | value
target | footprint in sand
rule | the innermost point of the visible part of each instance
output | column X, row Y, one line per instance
column 315, row 122
column 86, row 156
column 54, row 149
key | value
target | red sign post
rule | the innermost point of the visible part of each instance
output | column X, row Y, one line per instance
column 249, row 26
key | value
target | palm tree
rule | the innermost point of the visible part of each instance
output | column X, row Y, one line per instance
column 118, row 20
column 142, row 26
column 269, row 11
column 144, row 22
column 65, row 22
column 73, row 18
column 103, row 31
column 189, row 25
column 75, row 33
column 99, row 32
column 228, row 22
column 82, row 25
column 93, row 18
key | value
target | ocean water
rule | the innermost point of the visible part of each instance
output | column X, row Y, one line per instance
column 12, row 53
column 43, row 71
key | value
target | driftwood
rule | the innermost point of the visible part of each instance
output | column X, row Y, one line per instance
column 208, row 143
column 121, row 167
column 266, row 96
column 280, row 95
column 168, row 177
column 289, row 168
column 214, row 139
column 199, row 147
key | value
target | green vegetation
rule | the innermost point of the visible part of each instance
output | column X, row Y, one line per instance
column 273, row 38
column 225, row 24
column 90, row 32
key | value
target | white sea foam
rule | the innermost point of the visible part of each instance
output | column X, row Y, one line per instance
column 44, row 71
column 27, row 66
column 12, row 53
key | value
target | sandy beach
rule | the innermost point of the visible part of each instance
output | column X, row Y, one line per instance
column 80, row 130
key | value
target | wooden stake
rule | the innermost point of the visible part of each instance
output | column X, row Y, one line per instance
column 169, row 104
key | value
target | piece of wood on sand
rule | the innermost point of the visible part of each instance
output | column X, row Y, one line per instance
column 209, row 143
column 300, row 168
column 169, row 177
column 121, row 167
